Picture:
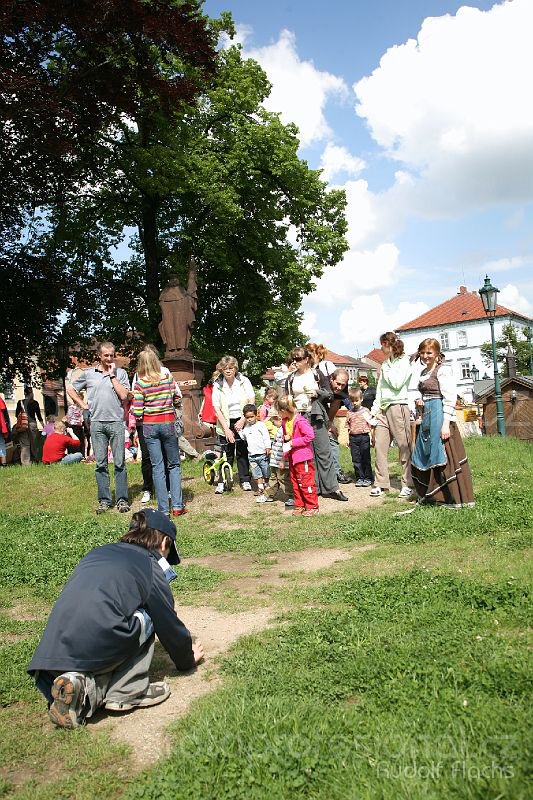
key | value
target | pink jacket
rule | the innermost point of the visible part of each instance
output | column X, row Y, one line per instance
column 302, row 436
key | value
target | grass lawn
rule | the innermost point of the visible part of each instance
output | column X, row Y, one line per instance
column 401, row 672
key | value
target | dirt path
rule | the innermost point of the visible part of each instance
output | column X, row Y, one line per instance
column 243, row 503
column 145, row 729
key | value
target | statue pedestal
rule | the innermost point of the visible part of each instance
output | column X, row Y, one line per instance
column 185, row 368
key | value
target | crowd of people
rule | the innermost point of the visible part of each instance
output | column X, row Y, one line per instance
column 97, row 654
column 287, row 446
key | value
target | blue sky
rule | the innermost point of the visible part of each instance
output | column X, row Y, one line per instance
column 423, row 111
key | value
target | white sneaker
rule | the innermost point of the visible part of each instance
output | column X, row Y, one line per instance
column 246, row 487
column 220, row 488
column 261, row 499
column 146, row 497
column 376, row 492
column 406, row 492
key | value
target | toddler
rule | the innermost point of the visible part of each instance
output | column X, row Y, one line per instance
column 257, row 438
column 280, row 479
column 358, row 424
column 297, row 437
column 269, row 399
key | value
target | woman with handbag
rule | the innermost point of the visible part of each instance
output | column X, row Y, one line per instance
column 155, row 400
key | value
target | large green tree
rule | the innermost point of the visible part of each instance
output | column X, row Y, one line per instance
column 517, row 338
column 219, row 179
column 222, row 182
column 70, row 70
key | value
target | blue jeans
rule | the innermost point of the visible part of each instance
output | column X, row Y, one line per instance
column 104, row 435
column 260, row 466
column 161, row 437
column 71, row 458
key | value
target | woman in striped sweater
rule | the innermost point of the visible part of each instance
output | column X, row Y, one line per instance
column 155, row 395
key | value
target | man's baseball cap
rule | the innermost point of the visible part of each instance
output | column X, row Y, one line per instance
column 159, row 522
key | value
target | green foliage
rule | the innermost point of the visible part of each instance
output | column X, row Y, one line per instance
column 517, row 338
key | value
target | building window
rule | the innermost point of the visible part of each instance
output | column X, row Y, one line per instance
column 465, row 370
column 444, row 341
column 462, row 340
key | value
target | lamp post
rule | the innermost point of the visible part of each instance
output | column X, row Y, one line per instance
column 489, row 296
column 530, row 350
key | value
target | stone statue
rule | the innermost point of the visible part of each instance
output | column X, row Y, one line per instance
column 178, row 312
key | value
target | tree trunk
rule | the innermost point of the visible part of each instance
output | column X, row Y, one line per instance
column 148, row 236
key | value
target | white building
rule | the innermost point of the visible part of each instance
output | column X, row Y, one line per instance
column 461, row 326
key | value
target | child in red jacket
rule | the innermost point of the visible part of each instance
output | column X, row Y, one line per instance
column 297, row 436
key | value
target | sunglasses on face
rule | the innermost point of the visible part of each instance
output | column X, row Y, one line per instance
column 301, row 358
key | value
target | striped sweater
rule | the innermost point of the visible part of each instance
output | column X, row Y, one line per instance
column 154, row 402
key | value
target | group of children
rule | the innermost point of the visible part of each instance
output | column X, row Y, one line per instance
column 279, row 441
column 280, row 453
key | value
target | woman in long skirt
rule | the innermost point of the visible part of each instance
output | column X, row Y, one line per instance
column 440, row 470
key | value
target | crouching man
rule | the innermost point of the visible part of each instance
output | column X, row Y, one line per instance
column 98, row 643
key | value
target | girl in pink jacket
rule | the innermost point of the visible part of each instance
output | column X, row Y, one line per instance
column 297, row 437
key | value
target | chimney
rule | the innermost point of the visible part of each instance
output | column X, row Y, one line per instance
column 511, row 362
column 462, row 290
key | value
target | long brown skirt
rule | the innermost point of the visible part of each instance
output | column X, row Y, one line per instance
column 450, row 485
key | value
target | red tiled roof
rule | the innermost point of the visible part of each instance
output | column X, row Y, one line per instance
column 376, row 355
column 338, row 359
column 463, row 307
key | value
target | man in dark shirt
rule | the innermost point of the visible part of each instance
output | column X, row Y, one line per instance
column 98, row 643
column 369, row 392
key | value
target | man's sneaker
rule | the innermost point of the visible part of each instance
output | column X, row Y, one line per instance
column 377, row 492
column 155, row 694
column 220, row 488
column 246, row 486
column 406, row 492
column 367, row 483
column 123, row 506
column 260, row 499
column 68, row 707
column 361, row 482
column 268, row 499
column 145, row 497
column 102, row 507
column 289, row 503
column 342, row 477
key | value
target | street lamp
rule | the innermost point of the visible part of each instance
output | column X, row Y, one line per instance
column 530, row 350
column 489, row 296
column 475, row 375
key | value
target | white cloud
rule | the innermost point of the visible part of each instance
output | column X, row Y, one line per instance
column 308, row 325
column 336, row 160
column 455, row 107
column 510, row 297
column 359, row 271
column 506, row 264
column 367, row 319
column 299, row 90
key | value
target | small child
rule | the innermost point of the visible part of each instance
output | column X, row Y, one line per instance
column 358, row 424
column 257, row 438
column 269, row 400
column 280, row 479
column 297, row 437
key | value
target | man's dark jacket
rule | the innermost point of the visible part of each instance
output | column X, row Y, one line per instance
column 92, row 627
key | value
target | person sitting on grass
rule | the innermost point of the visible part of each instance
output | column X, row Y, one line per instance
column 257, row 438
column 56, row 443
column 99, row 640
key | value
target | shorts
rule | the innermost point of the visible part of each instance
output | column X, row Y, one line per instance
column 259, row 466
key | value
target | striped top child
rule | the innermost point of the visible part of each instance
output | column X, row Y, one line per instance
column 154, row 402
column 358, row 421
